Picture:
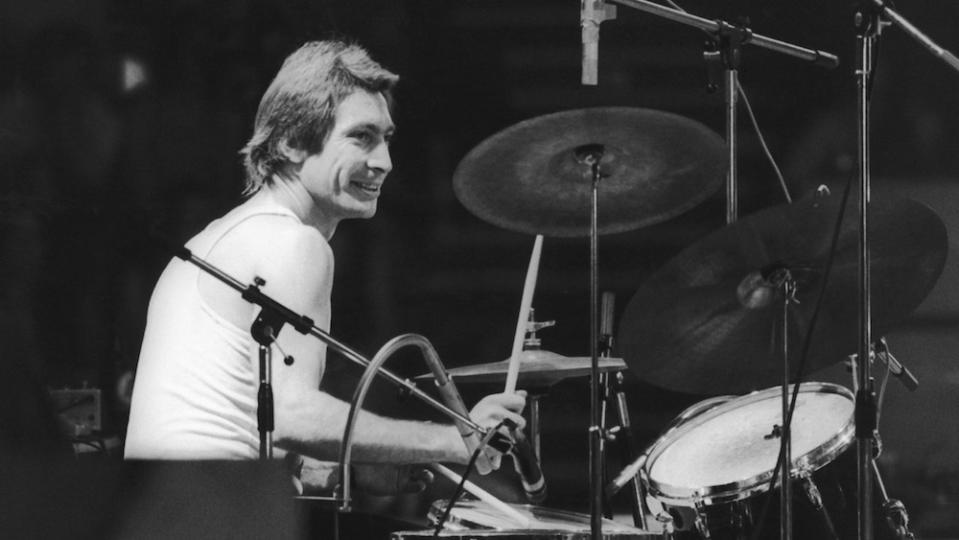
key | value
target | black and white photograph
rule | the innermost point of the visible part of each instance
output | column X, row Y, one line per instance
column 478, row 269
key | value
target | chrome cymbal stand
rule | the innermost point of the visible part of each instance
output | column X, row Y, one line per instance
column 591, row 156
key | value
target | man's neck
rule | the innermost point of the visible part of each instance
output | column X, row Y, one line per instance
column 291, row 194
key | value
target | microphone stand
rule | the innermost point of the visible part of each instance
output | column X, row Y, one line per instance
column 730, row 38
column 868, row 22
column 268, row 324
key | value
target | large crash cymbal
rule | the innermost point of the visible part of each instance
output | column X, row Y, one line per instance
column 704, row 323
column 537, row 369
column 531, row 178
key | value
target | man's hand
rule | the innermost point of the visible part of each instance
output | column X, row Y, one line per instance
column 494, row 408
column 490, row 411
column 383, row 479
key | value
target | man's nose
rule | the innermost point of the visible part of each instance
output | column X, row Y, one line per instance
column 380, row 160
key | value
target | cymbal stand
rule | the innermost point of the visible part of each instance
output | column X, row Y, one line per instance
column 591, row 155
column 783, row 278
column 869, row 19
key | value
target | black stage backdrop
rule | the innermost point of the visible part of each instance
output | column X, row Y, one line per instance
column 112, row 109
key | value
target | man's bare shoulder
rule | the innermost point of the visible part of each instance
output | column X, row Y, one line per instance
column 279, row 237
column 294, row 259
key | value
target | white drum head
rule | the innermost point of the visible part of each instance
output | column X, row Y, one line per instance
column 729, row 451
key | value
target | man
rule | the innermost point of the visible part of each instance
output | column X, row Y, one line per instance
column 319, row 154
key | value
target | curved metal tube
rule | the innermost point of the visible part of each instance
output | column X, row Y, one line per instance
column 446, row 386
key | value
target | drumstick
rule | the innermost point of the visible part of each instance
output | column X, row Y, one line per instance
column 525, row 304
column 482, row 495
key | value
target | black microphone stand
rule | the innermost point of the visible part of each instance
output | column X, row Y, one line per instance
column 273, row 315
column 264, row 331
column 870, row 16
column 729, row 40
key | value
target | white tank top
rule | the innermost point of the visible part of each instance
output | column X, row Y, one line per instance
column 194, row 396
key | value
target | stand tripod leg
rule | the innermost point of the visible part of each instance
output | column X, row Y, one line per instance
column 894, row 510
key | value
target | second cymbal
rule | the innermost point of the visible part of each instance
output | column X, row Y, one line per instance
column 537, row 369
column 531, row 177
column 705, row 322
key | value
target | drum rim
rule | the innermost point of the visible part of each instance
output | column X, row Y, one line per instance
column 734, row 491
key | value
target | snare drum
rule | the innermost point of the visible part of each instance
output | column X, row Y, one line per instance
column 471, row 520
column 711, row 470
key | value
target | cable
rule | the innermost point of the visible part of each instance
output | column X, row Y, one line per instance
column 805, row 353
column 458, row 492
column 755, row 123
column 762, row 142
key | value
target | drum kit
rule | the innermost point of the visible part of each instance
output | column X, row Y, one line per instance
column 718, row 318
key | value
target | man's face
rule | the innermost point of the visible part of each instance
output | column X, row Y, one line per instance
column 344, row 179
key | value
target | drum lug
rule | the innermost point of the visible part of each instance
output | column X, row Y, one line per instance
column 811, row 490
column 743, row 517
column 701, row 526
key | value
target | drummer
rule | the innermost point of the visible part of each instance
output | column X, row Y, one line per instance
column 319, row 154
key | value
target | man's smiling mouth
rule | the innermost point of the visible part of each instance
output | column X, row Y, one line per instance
column 367, row 187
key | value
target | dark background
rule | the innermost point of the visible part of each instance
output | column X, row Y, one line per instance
column 112, row 112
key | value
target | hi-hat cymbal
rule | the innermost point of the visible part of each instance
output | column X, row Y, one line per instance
column 709, row 323
column 531, row 177
column 537, row 368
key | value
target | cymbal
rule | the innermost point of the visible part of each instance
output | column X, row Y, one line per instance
column 705, row 322
column 531, row 177
column 537, row 368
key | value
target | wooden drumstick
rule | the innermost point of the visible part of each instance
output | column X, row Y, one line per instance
column 525, row 304
column 482, row 495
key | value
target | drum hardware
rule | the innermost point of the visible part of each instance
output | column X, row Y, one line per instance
column 811, row 490
column 699, row 522
column 666, row 521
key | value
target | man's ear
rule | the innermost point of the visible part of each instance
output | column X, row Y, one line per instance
column 293, row 155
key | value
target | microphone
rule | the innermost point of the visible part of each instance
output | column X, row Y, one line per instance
column 591, row 14
column 895, row 367
column 606, row 324
column 624, row 477
column 527, row 466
